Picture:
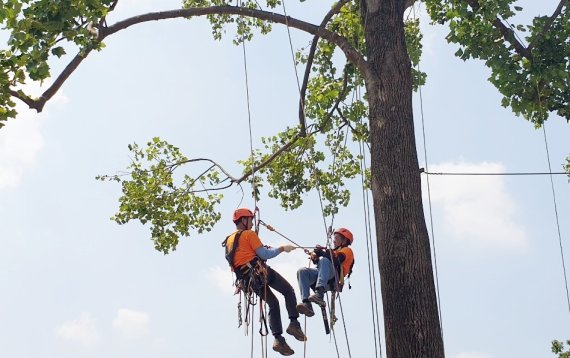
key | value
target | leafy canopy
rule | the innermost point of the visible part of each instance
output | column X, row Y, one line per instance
column 532, row 73
column 151, row 194
column 40, row 30
column 558, row 348
column 320, row 152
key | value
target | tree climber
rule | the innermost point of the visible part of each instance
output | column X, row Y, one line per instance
column 325, row 275
column 246, row 256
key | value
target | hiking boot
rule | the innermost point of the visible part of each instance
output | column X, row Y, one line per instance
column 318, row 297
column 306, row 308
column 295, row 330
column 279, row 345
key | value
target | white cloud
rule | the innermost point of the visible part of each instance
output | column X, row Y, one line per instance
column 477, row 210
column 80, row 331
column 132, row 324
column 221, row 278
column 285, row 264
column 21, row 139
column 472, row 355
column 20, row 144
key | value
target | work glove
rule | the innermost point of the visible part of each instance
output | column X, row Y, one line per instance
column 288, row 248
column 314, row 258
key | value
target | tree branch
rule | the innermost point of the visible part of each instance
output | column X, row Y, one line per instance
column 38, row 104
column 232, row 179
column 507, row 33
column 350, row 52
column 270, row 159
column 333, row 11
column 549, row 22
column 340, row 97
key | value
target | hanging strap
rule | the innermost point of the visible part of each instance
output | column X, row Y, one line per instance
column 232, row 251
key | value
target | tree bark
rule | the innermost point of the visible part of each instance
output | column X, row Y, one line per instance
column 411, row 318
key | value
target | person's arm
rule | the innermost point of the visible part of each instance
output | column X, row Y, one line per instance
column 266, row 253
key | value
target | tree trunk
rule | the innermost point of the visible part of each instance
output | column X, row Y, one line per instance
column 408, row 292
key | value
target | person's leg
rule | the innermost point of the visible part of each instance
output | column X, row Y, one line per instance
column 306, row 277
column 325, row 273
column 274, row 313
column 277, row 282
column 267, row 296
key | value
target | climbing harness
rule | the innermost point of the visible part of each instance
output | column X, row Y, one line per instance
column 251, row 281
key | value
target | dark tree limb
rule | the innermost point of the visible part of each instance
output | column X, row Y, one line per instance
column 272, row 157
column 38, row 104
column 350, row 52
column 507, row 33
column 550, row 21
column 310, row 58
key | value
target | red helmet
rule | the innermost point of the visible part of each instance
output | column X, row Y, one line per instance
column 345, row 233
column 242, row 213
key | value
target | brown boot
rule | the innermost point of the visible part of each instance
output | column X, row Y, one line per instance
column 318, row 297
column 295, row 330
column 279, row 345
column 306, row 308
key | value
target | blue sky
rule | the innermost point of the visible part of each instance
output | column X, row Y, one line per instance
column 75, row 284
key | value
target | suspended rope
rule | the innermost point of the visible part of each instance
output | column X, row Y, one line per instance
column 244, row 53
column 489, row 174
column 303, row 109
column 328, row 228
column 429, row 203
column 262, row 302
column 554, row 202
column 557, row 219
column 369, row 246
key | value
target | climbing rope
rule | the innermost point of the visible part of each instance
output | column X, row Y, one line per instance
column 328, row 228
column 369, row 246
column 244, row 54
column 257, row 214
column 433, row 241
column 556, row 217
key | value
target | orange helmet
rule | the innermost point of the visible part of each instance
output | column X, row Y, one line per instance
column 345, row 233
column 242, row 213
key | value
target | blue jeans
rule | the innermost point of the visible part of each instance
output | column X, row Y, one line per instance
column 319, row 276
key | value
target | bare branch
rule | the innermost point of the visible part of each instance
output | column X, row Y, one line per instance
column 350, row 52
column 507, row 33
column 550, row 21
column 333, row 11
column 232, row 179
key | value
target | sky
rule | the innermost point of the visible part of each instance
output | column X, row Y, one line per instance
column 76, row 284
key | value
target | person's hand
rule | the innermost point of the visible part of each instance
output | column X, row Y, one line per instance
column 288, row 248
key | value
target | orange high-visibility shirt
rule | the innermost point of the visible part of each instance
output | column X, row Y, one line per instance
column 245, row 252
column 348, row 258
